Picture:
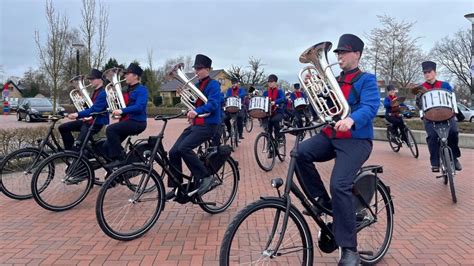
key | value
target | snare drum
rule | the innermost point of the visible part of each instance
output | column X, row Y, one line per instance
column 259, row 107
column 233, row 105
column 300, row 103
column 438, row 105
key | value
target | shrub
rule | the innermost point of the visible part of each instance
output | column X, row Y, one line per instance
column 157, row 100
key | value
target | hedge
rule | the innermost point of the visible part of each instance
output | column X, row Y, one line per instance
column 415, row 123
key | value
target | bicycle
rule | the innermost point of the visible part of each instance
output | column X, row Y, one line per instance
column 125, row 214
column 268, row 228
column 448, row 170
column 395, row 140
column 267, row 148
column 64, row 179
column 17, row 167
column 234, row 134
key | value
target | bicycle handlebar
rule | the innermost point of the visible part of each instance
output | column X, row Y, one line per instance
column 168, row 117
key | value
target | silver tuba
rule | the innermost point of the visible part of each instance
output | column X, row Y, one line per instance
column 113, row 90
column 320, row 85
column 187, row 90
column 79, row 95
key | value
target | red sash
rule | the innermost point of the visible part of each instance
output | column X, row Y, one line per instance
column 202, row 85
column 273, row 94
column 126, row 99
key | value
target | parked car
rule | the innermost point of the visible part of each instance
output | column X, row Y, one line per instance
column 468, row 113
column 32, row 109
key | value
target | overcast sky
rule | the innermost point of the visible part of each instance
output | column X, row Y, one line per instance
column 227, row 31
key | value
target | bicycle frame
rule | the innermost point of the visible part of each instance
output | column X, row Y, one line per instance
column 307, row 201
column 442, row 130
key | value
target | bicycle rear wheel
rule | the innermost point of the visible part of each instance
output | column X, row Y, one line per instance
column 223, row 193
column 16, row 170
column 124, row 213
column 375, row 232
column 411, row 142
column 448, row 161
column 252, row 236
column 264, row 152
column 62, row 181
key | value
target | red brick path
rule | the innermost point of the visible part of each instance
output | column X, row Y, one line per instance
column 429, row 228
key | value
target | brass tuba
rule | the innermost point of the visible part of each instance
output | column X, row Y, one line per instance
column 79, row 96
column 187, row 90
column 320, row 84
column 113, row 90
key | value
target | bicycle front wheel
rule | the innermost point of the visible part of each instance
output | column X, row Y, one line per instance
column 16, row 170
column 392, row 141
column 124, row 212
column 375, row 226
column 253, row 234
column 411, row 142
column 249, row 124
column 448, row 161
column 62, row 181
column 264, row 152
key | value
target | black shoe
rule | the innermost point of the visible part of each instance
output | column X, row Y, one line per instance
column 171, row 194
column 457, row 165
column 205, row 185
column 435, row 169
column 349, row 258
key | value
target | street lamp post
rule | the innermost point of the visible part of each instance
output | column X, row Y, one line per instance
column 470, row 17
column 77, row 46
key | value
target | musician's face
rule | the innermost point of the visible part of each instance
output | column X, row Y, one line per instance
column 429, row 75
column 202, row 72
column 235, row 85
column 131, row 78
column 272, row 84
column 96, row 83
column 392, row 92
column 348, row 60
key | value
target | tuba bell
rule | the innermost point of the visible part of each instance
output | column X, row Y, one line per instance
column 320, row 84
column 79, row 95
column 188, row 92
column 113, row 90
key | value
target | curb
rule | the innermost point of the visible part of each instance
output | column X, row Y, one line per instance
column 465, row 140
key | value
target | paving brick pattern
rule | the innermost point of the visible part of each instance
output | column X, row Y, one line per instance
column 429, row 228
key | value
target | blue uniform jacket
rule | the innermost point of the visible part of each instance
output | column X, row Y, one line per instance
column 242, row 93
column 293, row 95
column 281, row 99
column 213, row 105
column 99, row 105
column 137, row 101
column 364, row 108
column 388, row 107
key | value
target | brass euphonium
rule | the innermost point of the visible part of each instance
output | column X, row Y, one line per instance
column 113, row 90
column 187, row 90
column 79, row 96
column 320, row 84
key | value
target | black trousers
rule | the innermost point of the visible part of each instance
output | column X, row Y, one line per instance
column 66, row 130
column 349, row 155
column 273, row 123
column 299, row 114
column 433, row 141
column 397, row 124
column 240, row 121
column 192, row 137
column 117, row 133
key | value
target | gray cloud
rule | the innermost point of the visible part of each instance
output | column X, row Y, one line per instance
column 228, row 31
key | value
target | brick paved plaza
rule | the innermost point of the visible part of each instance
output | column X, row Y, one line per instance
column 429, row 228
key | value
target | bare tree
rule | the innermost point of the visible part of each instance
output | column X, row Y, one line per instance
column 392, row 53
column 151, row 77
column 94, row 32
column 454, row 54
column 53, row 53
column 252, row 75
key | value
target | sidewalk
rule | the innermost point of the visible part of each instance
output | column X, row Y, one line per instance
column 429, row 228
